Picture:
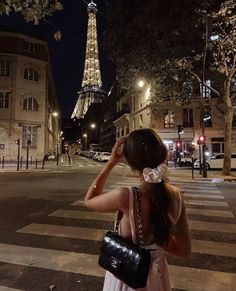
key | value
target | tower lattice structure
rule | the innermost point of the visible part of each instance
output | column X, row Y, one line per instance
column 91, row 87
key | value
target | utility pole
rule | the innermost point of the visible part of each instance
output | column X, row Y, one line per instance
column 203, row 91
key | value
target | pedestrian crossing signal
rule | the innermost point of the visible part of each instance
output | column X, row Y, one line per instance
column 202, row 139
column 178, row 144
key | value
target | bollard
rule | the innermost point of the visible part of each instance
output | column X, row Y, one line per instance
column 21, row 160
column 31, row 160
column 3, row 161
column 69, row 159
column 192, row 168
column 36, row 164
column 43, row 164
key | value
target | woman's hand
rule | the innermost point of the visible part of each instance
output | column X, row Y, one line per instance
column 117, row 152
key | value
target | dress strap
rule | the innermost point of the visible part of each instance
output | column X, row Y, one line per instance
column 131, row 214
column 180, row 205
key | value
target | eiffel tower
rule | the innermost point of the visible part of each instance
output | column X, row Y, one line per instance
column 91, row 87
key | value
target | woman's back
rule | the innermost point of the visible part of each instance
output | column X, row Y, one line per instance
column 147, row 204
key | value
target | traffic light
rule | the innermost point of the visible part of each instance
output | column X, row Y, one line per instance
column 202, row 139
column 180, row 128
column 178, row 144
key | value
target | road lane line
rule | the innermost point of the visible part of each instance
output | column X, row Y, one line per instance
column 192, row 279
column 197, row 211
column 97, row 234
column 64, row 261
column 212, row 226
column 3, row 288
column 184, row 278
column 214, row 248
column 83, row 215
column 211, row 196
column 206, row 203
column 64, row 231
column 210, row 212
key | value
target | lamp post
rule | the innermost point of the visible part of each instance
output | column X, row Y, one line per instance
column 85, row 136
column 207, row 33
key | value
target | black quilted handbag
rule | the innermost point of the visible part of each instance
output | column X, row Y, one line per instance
column 128, row 261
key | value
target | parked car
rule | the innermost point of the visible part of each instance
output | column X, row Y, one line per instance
column 104, row 157
column 216, row 162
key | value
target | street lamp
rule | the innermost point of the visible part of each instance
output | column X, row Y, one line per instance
column 86, row 138
column 93, row 125
column 55, row 113
column 141, row 83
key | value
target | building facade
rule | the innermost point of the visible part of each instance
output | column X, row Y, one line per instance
column 29, row 110
column 133, row 112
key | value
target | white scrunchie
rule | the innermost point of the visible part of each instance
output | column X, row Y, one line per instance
column 156, row 175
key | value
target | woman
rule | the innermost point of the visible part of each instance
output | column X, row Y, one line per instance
column 164, row 214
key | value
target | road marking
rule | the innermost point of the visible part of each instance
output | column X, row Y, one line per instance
column 198, row 191
column 210, row 212
column 51, row 259
column 212, row 226
column 181, row 277
column 3, row 288
column 64, row 231
column 78, row 203
column 83, row 215
column 201, row 280
column 211, row 196
column 96, row 234
column 206, row 203
column 197, row 211
column 214, row 248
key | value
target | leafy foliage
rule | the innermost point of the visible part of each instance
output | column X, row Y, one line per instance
column 32, row 10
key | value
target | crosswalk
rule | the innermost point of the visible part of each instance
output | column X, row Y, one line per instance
column 208, row 211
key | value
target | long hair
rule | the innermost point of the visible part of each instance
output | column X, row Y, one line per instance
column 144, row 148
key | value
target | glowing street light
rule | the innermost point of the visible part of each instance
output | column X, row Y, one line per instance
column 85, row 135
column 93, row 125
column 55, row 113
column 141, row 83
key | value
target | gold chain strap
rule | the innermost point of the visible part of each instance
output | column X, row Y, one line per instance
column 139, row 215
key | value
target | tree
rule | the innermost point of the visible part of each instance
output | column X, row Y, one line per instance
column 167, row 44
column 32, row 10
column 221, row 68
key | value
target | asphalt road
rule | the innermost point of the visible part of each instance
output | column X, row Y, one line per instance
column 50, row 241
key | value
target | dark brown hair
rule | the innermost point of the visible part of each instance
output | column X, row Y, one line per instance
column 144, row 148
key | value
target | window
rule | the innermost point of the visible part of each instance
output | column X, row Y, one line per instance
column 187, row 90
column 140, row 120
column 217, row 145
column 134, row 123
column 234, row 120
column 4, row 99
column 169, row 119
column 187, row 117
column 29, row 134
column 206, row 90
column 31, row 47
column 30, row 104
column 4, row 68
column 31, row 74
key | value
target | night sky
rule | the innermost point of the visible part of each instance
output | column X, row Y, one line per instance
column 68, row 55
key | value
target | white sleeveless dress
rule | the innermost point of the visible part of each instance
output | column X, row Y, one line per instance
column 158, row 277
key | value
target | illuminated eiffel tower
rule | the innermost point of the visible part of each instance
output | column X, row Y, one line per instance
column 91, row 87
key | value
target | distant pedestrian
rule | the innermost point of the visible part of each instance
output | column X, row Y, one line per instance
column 163, row 210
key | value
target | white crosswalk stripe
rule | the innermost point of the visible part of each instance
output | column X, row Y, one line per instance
column 2, row 288
column 200, row 202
